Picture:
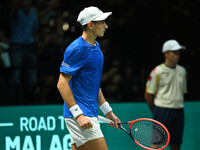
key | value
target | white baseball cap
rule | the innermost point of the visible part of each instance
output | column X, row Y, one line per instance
column 92, row 14
column 172, row 45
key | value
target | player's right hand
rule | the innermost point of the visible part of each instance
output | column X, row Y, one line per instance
column 84, row 122
column 115, row 119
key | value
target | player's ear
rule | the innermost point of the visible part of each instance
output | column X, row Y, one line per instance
column 90, row 25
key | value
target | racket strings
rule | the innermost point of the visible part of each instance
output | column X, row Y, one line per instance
column 149, row 134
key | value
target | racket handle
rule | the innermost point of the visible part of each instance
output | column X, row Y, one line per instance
column 103, row 119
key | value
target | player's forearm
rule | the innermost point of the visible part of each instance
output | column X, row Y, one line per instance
column 68, row 97
column 150, row 100
column 103, row 104
column 101, row 98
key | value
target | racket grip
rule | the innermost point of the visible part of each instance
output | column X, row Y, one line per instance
column 103, row 119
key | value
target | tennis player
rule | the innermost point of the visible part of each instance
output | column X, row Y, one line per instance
column 165, row 89
column 79, row 83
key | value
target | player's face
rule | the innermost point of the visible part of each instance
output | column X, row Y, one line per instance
column 99, row 28
column 173, row 56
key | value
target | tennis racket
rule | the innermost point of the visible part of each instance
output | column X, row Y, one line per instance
column 145, row 132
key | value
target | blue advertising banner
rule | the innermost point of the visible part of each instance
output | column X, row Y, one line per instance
column 43, row 127
column 33, row 128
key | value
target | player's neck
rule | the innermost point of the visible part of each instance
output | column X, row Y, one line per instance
column 89, row 38
column 170, row 65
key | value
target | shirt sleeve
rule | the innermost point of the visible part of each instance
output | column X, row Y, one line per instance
column 152, row 83
column 73, row 60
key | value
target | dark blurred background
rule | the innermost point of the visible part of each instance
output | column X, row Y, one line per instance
column 131, row 46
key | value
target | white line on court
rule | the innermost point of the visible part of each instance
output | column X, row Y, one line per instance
column 6, row 124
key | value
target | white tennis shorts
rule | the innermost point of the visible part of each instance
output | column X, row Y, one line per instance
column 80, row 136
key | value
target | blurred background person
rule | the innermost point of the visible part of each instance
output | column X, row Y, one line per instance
column 157, row 20
column 45, row 11
column 165, row 89
column 23, row 39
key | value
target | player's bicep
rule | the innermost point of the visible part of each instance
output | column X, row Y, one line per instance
column 63, row 80
column 149, row 98
column 65, row 77
column 148, row 95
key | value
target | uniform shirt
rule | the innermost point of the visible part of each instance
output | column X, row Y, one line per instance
column 84, row 62
column 22, row 27
column 168, row 85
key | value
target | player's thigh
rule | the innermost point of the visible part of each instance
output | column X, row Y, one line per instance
column 97, row 144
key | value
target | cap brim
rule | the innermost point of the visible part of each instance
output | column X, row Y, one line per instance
column 103, row 16
column 181, row 47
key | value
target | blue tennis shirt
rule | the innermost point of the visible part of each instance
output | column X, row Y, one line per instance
column 84, row 62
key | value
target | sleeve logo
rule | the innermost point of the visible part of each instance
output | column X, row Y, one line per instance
column 65, row 64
